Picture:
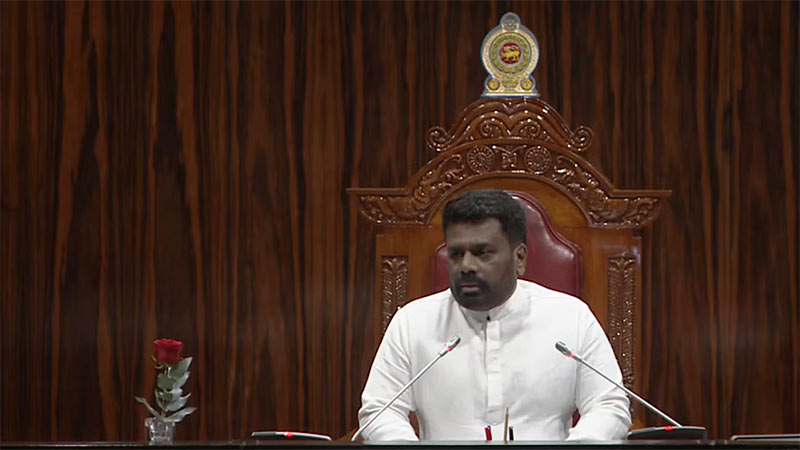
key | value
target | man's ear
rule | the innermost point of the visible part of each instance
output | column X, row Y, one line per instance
column 521, row 258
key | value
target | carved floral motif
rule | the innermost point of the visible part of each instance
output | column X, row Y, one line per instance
column 621, row 296
column 416, row 207
column 509, row 157
column 538, row 159
column 602, row 207
column 480, row 159
column 394, row 286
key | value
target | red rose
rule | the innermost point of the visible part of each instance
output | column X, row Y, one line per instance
column 168, row 351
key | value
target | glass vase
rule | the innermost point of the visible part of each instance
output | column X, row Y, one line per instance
column 159, row 431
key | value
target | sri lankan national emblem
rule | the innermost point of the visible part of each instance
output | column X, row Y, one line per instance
column 510, row 53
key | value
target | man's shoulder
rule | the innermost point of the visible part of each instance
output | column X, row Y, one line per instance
column 545, row 296
column 428, row 304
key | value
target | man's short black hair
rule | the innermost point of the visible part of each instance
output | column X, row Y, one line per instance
column 479, row 205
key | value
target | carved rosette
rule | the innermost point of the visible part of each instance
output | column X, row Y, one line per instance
column 621, row 295
column 602, row 207
column 480, row 159
column 394, row 286
column 538, row 159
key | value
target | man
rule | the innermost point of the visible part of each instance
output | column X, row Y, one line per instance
column 506, row 360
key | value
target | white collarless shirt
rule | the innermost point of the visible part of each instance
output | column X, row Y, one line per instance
column 506, row 359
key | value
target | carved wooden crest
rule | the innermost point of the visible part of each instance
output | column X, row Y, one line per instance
column 517, row 137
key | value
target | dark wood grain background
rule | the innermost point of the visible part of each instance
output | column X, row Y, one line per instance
column 179, row 170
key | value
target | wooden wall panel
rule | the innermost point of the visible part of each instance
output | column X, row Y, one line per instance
column 175, row 169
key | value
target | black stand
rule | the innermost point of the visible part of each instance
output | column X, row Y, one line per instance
column 682, row 433
column 284, row 435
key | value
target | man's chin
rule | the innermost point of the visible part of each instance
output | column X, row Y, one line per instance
column 472, row 301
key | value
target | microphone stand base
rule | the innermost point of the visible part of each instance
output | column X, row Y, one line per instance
column 687, row 433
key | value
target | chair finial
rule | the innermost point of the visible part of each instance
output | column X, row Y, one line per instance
column 510, row 53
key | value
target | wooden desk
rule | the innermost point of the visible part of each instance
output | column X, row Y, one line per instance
column 327, row 445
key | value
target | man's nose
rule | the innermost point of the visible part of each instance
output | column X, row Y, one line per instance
column 468, row 263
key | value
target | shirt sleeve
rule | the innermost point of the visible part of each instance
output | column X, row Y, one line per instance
column 391, row 370
column 604, row 408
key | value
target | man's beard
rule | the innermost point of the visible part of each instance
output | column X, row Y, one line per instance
column 472, row 293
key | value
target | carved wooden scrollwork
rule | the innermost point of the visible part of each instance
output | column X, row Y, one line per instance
column 621, row 296
column 519, row 136
column 394, row 286
column 602, row 205
column 526, row 118
column 415, row 208
column 629, row 211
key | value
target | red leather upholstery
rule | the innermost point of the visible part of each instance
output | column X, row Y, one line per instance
column 553, row 261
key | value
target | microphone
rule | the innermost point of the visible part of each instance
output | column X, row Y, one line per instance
column 448, row 347
column 672, row 431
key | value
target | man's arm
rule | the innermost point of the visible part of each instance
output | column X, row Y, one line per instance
column 391, row 370
column 604, row 408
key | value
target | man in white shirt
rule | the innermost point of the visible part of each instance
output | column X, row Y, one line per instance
column 506, row 360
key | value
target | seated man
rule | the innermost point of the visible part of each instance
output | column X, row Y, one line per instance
column 506, row 360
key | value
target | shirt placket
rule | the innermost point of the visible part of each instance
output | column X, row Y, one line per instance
column 494, row 370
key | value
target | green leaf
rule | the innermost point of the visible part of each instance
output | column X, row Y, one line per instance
column 181, row 381
column 164, row 396
column 160, row 403
column 179, row 403
column 149, row 408
column 176, row 372
column 178, row 416
column 164, row 382
column 169, row 396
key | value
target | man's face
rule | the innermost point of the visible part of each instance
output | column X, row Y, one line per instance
column 482, row 265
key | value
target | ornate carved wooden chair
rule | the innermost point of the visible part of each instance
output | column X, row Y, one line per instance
column 584, row 234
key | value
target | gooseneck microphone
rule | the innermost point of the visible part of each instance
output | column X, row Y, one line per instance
column 448, row 347
column 562, row 347
column 673, row 431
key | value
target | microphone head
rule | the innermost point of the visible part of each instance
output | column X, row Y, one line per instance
column 451, row 344
column 562, row 347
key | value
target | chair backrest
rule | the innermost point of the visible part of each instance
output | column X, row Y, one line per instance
column 553, row 261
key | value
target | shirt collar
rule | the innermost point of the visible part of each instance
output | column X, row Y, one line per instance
column 513, row 304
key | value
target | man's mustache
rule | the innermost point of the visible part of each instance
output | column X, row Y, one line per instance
column 468, row 280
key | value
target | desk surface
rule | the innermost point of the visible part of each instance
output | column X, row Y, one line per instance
column 438, row 445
